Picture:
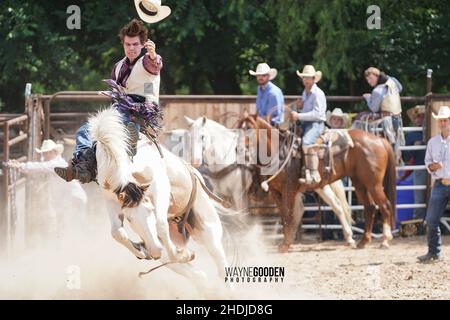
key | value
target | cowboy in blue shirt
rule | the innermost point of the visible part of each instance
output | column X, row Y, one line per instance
column 269, row 98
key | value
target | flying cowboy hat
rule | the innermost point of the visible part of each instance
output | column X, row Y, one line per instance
column 310, row 71
column 263, row 69
column 413, row 113
column 50, row 145
column 151, row 11
column 337, row 112
column 444, row 113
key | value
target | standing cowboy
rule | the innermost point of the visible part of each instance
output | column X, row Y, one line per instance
column 138, row 73
column 312, row 117
column 437, row 160
column 269, row 98
column 52, row 188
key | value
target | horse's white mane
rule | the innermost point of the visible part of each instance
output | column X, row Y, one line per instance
column 113, row 162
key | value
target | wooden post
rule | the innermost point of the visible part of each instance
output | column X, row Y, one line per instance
column 47, row 119
column 35, row 114
column 428, row 119
column 429, row 80
column 4, row 193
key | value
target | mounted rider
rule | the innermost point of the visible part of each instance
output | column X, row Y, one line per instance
column 136, row 79
column 312, row 117
column 385, row 102
column 269, row 97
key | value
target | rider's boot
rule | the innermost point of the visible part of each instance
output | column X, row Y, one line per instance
column 82, row 167
column 312, row 175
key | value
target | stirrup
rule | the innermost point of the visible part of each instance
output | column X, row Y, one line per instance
column 315, row 176
column 307, row 179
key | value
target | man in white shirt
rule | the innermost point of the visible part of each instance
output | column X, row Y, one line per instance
column 60, row 215
column 437, row 160
column 312, row 117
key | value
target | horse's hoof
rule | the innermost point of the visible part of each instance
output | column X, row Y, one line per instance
column 384, row 245
column 362, row 244
column 352, row 244
column 283, row 248
column 184, row 255
column 141, row 255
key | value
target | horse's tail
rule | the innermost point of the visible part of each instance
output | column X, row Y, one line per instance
column 235, row 227
column 390, row 183
column 233, row 221
column 113, row 163
column 338, row 189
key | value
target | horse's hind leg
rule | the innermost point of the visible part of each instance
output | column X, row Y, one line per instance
column 160, row 197
column 386, row 211
column 369, row 214
column 209, row 231
column 327, row 194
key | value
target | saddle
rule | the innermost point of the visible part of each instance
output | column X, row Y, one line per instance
column 380, row 125
column 332, row 143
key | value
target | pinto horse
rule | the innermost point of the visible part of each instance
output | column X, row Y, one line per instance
column 370, row 163
column 160, row 197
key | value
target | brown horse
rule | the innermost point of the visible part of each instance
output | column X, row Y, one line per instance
column 370, row 163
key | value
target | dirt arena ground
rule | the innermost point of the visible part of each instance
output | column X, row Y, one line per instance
column 330, row 270
column 327, row 270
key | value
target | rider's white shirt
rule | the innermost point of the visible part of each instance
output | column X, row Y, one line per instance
column 438, row 150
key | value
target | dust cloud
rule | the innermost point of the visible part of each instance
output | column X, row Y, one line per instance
column 70, row 254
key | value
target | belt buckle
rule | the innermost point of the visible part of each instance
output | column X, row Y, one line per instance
column 445, row 182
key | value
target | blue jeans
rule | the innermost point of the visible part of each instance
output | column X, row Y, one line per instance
column 440, row 195
column 312, row 131
column 84, row 140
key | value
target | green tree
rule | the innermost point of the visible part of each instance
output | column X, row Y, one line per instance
column 208, row 46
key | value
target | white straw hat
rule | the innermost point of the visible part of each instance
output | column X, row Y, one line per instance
column 444, row 113
column 262, row 69
column 337, row 112
column 310, row 71
column 49, row 145
column 151, row 11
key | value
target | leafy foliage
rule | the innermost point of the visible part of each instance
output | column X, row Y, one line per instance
column 208, row 46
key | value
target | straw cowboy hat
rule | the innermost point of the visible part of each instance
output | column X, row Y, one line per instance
column 262, row 69
column 414, row 112
column 49, row 145
column 337, row 112
column 310, row 71
column 444, row 113
column 151, row 11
